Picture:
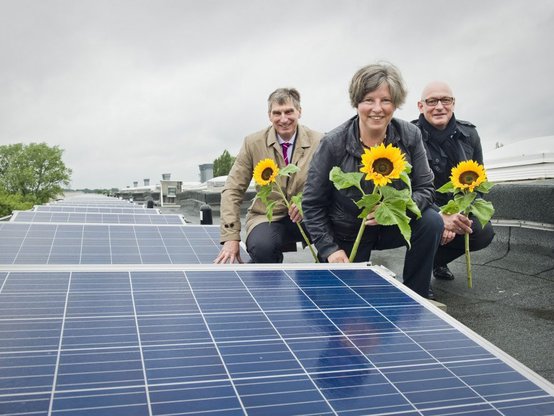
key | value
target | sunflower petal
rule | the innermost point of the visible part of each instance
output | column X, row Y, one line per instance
column 265, row 172
column 382, row 164
column 467, row 175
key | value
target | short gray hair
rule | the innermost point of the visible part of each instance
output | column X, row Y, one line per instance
column 282, row 96
column 371, row 77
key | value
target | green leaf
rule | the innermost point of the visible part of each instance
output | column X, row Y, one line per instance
column 367, row 204
column 269, row 212
column 483, row 210
column 451, row 207
column 464, row 200
column 297, row 200
column 446, row 188
column 264, row 193
column 288, row 170
column 485, row 187
column 406, row 231
column 389, row 192
column 343, row 180
column 412, row 206
column 394, row 213
column 391, row 212
column 406, row 179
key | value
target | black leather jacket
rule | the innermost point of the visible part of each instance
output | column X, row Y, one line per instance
column 331, row 214
column 465, row 145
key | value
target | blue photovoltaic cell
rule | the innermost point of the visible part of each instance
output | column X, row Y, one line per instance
column 243, row 341
column 41, row 243
column 97, row 218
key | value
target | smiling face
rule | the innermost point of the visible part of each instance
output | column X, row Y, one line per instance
column 284, row 118
column 375, row 112
column 440, row 114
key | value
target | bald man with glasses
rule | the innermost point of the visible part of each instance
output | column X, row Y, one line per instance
column 449, row 141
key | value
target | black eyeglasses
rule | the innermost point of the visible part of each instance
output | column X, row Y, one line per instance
column 446, row 101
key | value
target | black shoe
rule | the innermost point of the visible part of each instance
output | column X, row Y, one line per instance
column 431, row 294
column 443, row 273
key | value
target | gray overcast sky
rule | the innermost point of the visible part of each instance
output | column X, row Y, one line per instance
column 132, row 89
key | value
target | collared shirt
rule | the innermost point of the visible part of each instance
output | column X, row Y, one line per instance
column 291, row 147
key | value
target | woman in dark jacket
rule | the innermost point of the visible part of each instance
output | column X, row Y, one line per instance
column 331, row 216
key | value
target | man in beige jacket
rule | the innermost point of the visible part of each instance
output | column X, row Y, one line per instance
column 285, row 140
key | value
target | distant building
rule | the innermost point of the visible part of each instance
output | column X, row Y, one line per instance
column 169, row 190
column 526, row 159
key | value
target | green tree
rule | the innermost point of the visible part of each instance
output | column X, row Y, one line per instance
column 35, row 171
column 223, row 164
column 10, row 203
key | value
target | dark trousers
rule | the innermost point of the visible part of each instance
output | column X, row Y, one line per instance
column 478, row 239
column 266, row 242
column 418, row 263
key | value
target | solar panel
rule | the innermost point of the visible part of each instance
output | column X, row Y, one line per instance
column 94, row 202
column 96, row 218
column 41, row 243
column 86, row 209
column 236, row 340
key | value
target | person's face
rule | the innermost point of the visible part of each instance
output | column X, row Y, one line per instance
column 284, row 118
column 438, row 114
column 376, row 110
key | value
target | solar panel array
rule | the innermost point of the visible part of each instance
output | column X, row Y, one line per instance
column 108, row 209
column 38, row 243
column 118, row 329
column 93, row 201
column 97, row 218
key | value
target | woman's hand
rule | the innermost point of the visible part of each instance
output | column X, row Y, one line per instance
column 447, row 237
column 370, row 219
column 338, row 257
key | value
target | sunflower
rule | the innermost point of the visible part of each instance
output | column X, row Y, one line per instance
column 382, row 164
column 468, row 175
column 265, row 172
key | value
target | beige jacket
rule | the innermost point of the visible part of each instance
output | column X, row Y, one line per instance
column 258, row 146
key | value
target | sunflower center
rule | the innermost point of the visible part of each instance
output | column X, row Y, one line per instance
column 383, row 166
column 467, row 178
column 266, row 174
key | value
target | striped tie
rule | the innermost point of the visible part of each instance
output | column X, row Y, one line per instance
column 285, row 146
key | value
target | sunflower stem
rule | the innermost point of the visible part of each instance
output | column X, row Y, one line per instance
column 468, row 256
column 376, row 189
column 357, row 242
column 304, row 236
column 468, row 261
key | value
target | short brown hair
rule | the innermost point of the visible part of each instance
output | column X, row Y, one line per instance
column 282, row 96
column 371, row 77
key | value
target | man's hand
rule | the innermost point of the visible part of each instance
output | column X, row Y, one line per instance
column 457, row 223
column 294, row 213
column 338, row 257
column 447, row 237
column 230, row 252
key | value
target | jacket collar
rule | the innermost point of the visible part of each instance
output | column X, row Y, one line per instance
column 301, row 143
column 460, row 128
column 301, row 138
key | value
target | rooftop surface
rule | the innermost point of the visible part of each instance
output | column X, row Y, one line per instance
column 511, row 303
